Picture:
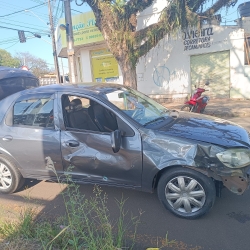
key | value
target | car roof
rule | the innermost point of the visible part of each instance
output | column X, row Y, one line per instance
column 7, row 72
column 87, row 88
column 94, row 89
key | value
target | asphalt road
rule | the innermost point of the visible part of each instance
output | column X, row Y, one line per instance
column 226, row 227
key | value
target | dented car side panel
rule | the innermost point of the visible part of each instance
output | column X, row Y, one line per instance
column 94, row 161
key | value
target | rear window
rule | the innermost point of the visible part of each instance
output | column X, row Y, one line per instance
column 10, row 86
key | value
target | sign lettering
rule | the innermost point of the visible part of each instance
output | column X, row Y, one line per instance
column 197, row 39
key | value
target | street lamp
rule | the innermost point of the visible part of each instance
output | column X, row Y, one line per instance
column 36, row 16
column 64, row 27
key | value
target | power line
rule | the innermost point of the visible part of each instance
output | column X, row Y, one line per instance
column 36, row 35
column 36, row 1
column 55, row 17
column 235, row 11
column 22, row 10
column 76, row 11
column 37, row 30
column 7, row 39
column 15, row 39
column 37, row 10
column 27, row 14
column 22, row 22
column 11, row 45
column 56, row 10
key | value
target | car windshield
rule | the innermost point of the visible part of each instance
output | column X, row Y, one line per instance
column 138, row 106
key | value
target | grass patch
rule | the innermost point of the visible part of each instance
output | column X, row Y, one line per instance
column 86, row 225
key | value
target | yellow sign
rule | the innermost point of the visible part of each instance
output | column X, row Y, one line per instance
column 104, row 66
column 84, row 30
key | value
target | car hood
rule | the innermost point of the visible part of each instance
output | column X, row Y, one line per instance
column 207, row 129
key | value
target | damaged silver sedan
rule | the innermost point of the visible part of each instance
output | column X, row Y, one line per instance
column 113, row 135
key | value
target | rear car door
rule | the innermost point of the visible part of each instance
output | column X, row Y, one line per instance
column 86, row 144
column 29, row 135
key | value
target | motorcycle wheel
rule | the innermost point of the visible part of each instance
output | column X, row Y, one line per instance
column 188, row 108
column 202, row 111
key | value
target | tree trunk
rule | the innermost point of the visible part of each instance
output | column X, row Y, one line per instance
column 128, row 73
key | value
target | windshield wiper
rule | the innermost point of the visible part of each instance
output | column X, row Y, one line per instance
column 154, row 120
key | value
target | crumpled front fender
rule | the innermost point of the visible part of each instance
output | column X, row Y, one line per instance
column 161, row 151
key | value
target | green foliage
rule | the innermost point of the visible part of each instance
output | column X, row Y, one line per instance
column 86, row 225
column 7, row 60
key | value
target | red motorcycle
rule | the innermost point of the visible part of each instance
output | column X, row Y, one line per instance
column 197, row 102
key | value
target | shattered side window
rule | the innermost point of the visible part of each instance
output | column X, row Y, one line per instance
column 137, row 105
column 34, row 112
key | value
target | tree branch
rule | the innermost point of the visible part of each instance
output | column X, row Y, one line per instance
column 195, row 5
column 215, row 7
column 176, row 15
column 97, row 12
column 135, row 6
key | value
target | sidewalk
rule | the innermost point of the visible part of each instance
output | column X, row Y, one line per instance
column 224, row 108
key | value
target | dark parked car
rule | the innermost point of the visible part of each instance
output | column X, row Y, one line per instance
column 13, row 80
column 111, row 134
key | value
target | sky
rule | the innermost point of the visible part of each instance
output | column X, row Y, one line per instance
column 35, row 20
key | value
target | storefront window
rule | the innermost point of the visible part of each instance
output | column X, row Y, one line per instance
column 247, row 49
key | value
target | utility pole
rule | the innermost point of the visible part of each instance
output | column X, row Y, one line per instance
column 70, row 41
column 58, row 78
column 62, row 71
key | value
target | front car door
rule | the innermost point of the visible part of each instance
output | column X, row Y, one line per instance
column 86, row 144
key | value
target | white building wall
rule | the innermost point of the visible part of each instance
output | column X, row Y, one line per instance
column 165, row 71
column 151, row 14
column 86, row 65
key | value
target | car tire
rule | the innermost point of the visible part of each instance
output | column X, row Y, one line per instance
column 10, row 178
column 186, row 192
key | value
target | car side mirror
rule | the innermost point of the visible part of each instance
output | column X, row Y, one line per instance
column 116, row 140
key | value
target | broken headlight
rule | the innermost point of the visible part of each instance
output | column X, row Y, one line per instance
column 235, row 158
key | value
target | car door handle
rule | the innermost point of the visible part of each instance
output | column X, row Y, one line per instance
column 72, row 143
column 7, row 138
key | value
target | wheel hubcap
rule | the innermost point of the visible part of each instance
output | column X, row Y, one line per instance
column 5, row 177
column 185, row 194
